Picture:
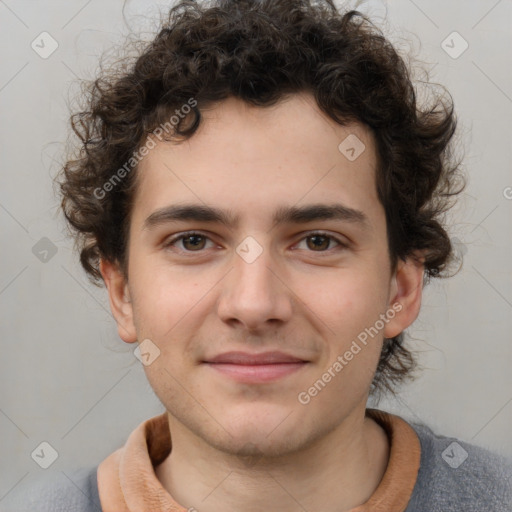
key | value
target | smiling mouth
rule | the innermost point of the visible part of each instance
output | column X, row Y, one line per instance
column 254, row 373
column 256, row 368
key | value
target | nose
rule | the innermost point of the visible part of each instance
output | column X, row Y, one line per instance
column 255, row 294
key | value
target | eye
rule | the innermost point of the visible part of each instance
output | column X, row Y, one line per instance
column 321, row 242
column 191, row 241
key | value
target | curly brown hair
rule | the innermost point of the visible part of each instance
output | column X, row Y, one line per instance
column 260, row 51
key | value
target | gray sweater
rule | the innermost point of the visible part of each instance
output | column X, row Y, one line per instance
column 454, row 476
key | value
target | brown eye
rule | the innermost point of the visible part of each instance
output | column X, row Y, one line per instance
column 322, row 242
column 318, row 242
column 187, row 242
column 193, row 242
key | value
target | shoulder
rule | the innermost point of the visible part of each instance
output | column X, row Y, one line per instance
column 58, row 491
column 455, row 475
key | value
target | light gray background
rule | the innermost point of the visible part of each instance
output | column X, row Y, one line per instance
column 66, row 377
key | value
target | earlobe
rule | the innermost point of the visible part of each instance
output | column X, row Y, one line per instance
column 120, row 300
column 405, row 295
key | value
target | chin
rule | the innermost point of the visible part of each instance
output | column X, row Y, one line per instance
column 270, row 437
column 256, row 447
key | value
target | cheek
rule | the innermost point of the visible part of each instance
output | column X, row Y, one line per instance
column 346, row 301
column 170, row 309
column 354, row 341
column 350, row 306
column 163, row 298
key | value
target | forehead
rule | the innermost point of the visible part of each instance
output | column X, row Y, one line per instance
column 254, row 160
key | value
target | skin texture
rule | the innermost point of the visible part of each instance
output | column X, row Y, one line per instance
column 240, row 446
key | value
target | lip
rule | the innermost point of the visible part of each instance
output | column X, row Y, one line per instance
column 256, row 368
column 263, row 358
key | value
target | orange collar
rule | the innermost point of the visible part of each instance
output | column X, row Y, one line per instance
column 127, row 480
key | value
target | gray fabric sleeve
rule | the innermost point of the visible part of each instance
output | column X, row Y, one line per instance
column 456, row 476
column 57, row 491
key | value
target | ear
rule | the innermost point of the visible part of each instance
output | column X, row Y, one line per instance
column 405, row 294
column 120, row 301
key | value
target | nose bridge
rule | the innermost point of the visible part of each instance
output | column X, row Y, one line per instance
column 253, row 293
column 253, row 266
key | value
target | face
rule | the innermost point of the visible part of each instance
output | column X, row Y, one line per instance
column 252, row 306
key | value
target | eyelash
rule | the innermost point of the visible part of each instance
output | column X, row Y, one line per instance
column 177, row 238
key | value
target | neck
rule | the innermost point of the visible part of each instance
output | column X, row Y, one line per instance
column 335, row 474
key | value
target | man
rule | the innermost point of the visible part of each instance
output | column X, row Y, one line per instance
column 260, row 194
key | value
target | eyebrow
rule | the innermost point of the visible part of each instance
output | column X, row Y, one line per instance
column 283, row 215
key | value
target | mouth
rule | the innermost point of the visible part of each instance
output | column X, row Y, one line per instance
column 256, row 368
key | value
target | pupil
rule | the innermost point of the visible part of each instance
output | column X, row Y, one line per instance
column 192, row 237
column 321, row 245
